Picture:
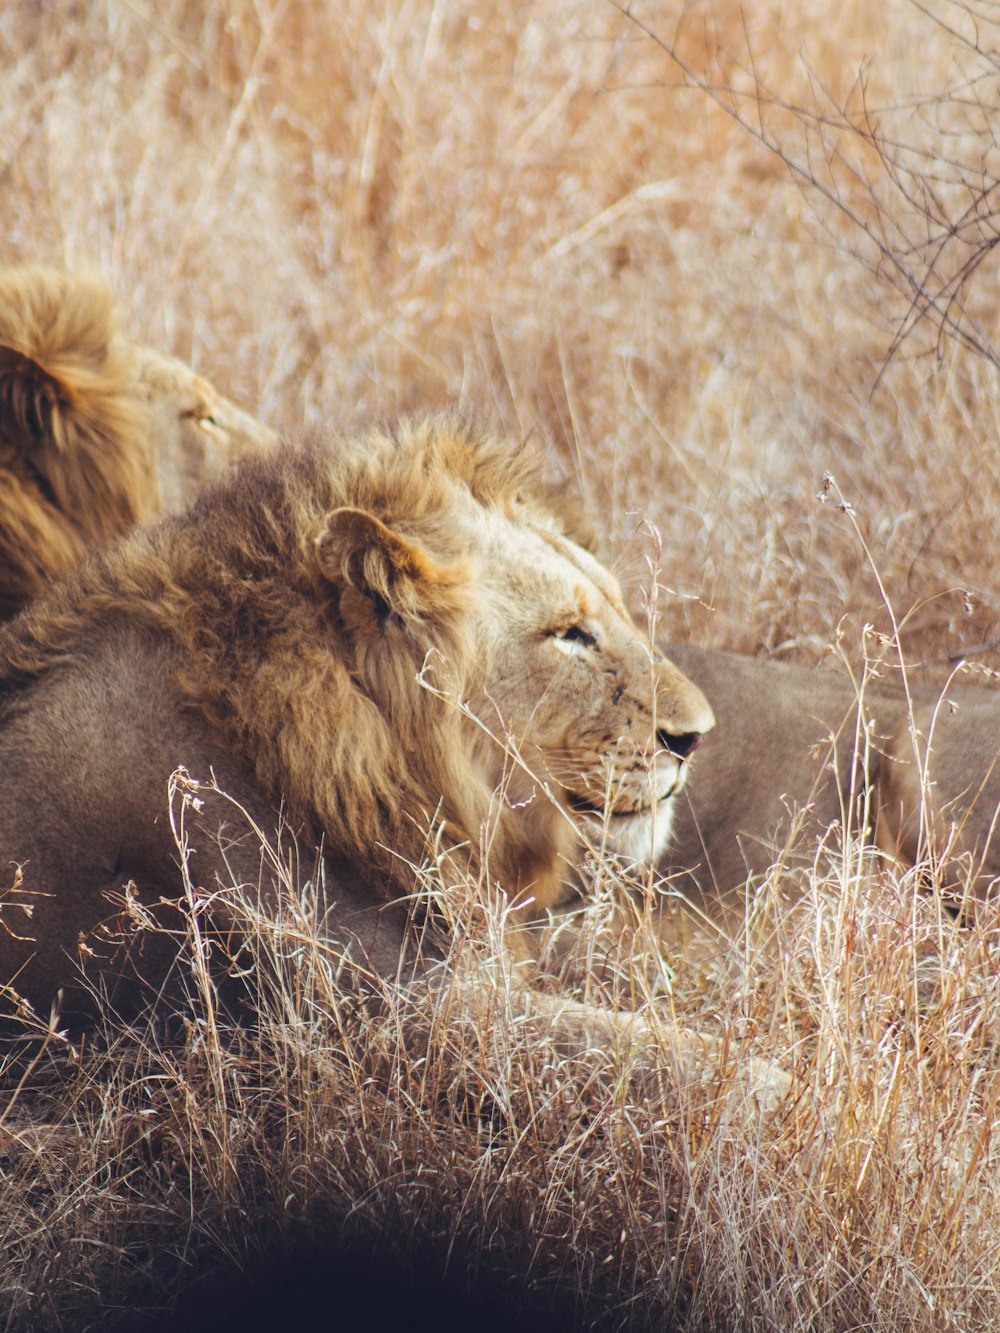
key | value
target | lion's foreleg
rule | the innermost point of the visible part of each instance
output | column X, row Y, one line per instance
column 649, row 1044
column 648, row 1050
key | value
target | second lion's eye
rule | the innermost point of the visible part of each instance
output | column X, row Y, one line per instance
column 577, row 634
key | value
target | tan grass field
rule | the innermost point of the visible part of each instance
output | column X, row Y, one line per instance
column 344, row 209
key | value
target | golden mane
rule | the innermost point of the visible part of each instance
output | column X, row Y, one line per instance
column 70, row 474
column 94, row 431
column 265, row 649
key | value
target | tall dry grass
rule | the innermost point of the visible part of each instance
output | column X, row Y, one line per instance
column 352, row 208
column 461, row 1150
column 356, row 208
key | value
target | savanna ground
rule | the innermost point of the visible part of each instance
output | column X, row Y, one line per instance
column 706, row 257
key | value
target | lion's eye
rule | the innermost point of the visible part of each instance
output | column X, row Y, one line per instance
column 202, row 416
column 576, row 634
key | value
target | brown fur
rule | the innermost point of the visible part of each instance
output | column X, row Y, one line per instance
column 788, row 756
column 283, row 637
column 95, row 433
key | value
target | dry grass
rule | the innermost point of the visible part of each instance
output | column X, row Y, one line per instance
column 466, row 1147
column 341, row 209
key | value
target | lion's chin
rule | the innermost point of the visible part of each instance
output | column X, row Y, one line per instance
column 639, row 837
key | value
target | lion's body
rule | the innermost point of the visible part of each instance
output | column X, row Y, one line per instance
column 96, row 433
column 273, row 638
column 790, row 759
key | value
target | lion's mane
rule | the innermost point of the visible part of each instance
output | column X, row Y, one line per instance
column 97, row 433
column 359, row 735
column 71, row 475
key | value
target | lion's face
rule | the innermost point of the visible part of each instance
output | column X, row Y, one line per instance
column 569, row 725
column 194, row 431
column 601, row 722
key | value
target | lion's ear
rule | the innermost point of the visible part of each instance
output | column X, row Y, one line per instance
column 358, row 550
column 31, row 401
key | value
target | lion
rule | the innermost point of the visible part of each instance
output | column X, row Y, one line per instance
column 393, row 640
column 913, row 770
column 97, row 433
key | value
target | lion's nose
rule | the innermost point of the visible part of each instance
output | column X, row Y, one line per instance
column 681, row 745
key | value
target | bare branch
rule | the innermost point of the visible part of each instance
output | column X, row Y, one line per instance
column 917, row 180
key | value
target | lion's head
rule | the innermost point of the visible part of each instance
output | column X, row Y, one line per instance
column 194, row 431
column 572, row 715
column 96, row 433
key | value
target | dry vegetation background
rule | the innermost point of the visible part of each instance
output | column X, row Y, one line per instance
column 338, row 209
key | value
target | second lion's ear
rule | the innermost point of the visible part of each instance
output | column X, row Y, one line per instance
column 31, row 402
column 358, row 550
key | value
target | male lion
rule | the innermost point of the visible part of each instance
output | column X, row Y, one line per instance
column 384, row 637
column 96, row 433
